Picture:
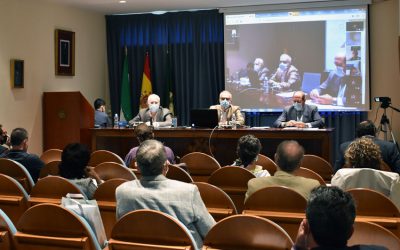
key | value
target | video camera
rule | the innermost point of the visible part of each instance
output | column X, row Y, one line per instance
column 385, row 101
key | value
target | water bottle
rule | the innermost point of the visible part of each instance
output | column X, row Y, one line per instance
column 233, row 121
column 116, row 121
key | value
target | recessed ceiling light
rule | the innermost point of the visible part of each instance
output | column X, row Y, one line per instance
column 122, row 1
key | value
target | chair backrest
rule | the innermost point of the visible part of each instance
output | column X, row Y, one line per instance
column 105, row 197
column 233, row 180
column 51, row 155
column 17, row 171
column 373, row 203
column 177, row 173
column 100, row 156
column 319, row 165
column 50, row 226
column 13, row 197
column 51, row 189
column 373, row 234
column 247, row 232
column 111, row 170
column 200, row 165
column 276, row 198
column 308, row 173
column 150, row 229
column 267, row 164
column 106, row 190
column 7, row 232
column 218, row 203
column 51, row 168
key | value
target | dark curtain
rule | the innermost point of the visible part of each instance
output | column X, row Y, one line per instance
column 186, row 53
column 345, row 124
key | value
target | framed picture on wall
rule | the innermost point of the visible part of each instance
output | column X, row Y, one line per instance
column 17, row 73
column 64, row 52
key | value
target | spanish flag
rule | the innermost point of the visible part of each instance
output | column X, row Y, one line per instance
column 146, row 83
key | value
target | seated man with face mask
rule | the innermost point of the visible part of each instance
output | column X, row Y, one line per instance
column 154, row 115
column 286, row 76
column 333, row 90
column 299, row 114
column 226, row 110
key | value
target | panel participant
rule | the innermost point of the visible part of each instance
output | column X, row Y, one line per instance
column 101, row 118
column 333, row 89
column 286, row 76
column 226, row 110
column 299, row 114
column 155, row 114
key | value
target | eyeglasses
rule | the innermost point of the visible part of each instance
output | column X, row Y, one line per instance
column 225, row 99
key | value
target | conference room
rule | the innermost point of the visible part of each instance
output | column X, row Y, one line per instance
column 58, row 57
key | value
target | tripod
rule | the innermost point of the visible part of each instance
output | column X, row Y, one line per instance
column 385, row 127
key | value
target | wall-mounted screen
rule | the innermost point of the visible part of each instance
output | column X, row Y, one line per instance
column 323, row 52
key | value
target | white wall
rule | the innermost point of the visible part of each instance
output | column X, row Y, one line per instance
column 385, row 80
column 27, row 33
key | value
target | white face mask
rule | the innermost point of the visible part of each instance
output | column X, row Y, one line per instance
column 154, row 107
column 257, row 67
column 224, row 104
column 297, row 106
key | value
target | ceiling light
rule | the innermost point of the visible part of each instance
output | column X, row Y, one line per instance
column 122, row 1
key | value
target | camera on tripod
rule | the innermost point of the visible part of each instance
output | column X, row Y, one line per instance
column 385, row 101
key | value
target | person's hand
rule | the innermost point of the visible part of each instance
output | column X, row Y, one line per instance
column 325, row 99
column 276, row 85
column 301, row 239
column 92, row 174
column 300, row 125
column 314, row 94
column 291, row 123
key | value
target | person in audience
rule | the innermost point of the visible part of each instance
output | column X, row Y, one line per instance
column 329, row 221
column 74, row 167
column 333, row 89
column 154, row 115
column 101, row 119
column 286, row 76
column 248, row 148
column 299, row 114
column 288, row 157
column 364, row 158
column 3, row 140
column 389, row 152
column 154, row 191
column 226, row 110
column 143, row 133
column 261, row 70
column 18, row 152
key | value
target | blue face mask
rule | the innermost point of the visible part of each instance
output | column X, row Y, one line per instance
column 283, row 66
column 297, row 106
column 224, row 104
column 339, row 71
column 154, row 107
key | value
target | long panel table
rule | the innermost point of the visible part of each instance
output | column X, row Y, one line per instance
column 221, row 143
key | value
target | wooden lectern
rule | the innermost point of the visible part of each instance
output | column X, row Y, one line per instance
column 67, row 117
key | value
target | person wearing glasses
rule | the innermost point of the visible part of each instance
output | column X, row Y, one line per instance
column 300, row 114
column 227, row 111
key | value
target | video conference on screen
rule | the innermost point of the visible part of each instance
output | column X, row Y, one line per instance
column 323, row 52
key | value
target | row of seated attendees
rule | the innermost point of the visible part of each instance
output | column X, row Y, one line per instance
column 288, row 157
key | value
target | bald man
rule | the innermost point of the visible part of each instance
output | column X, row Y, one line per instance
column 154, row 115
column 333, row 90
column 226, row 110
column 299, row 114
column 288, row 157
column 286, row 76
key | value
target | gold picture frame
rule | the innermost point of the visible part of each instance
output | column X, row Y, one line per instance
column 64, row 45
